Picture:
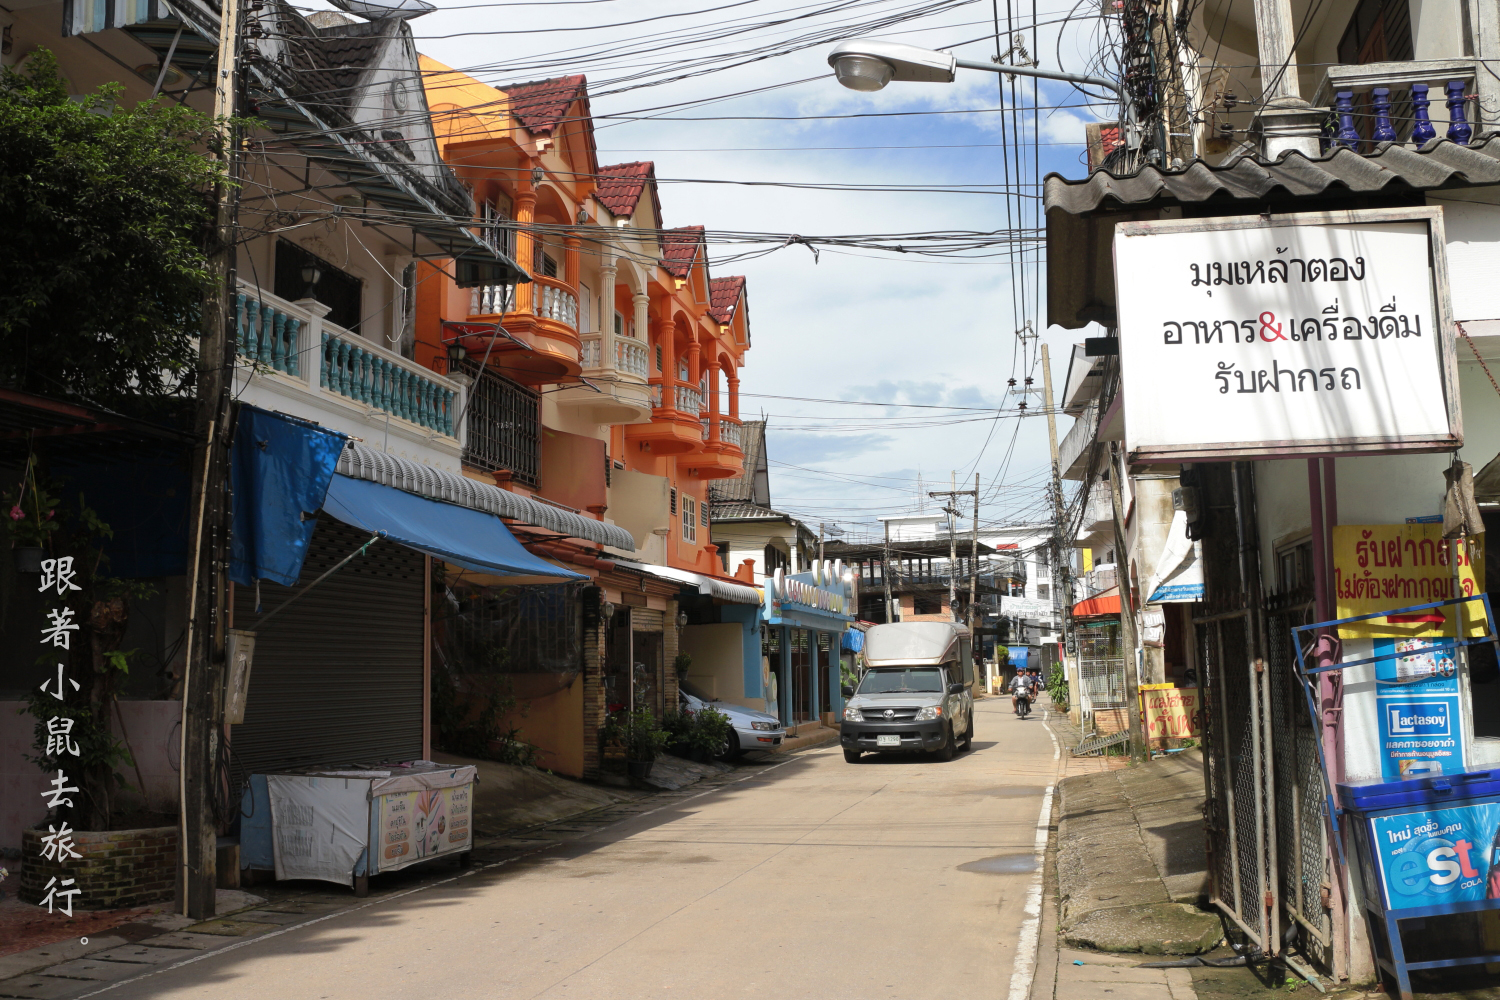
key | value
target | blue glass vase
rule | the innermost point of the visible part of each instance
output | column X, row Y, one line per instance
column 1421, row 129
column 1459, row 129
column 1347, row 135
column 1383, row 130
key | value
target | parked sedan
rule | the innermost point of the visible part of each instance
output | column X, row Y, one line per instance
column 755, row 730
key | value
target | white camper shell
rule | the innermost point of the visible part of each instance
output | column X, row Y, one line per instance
column 919, row 643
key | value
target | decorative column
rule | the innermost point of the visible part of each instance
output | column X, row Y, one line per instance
column 642, row 303
column 1286, row 121
column 660, row 339
column 692, row 365
column 525, row 203
column 713, row 403
column 734, row 395
column 608, row 353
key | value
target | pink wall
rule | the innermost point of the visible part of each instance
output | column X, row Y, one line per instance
column 151, row 727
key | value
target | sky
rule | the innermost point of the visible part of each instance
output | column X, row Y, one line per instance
column 845, row 324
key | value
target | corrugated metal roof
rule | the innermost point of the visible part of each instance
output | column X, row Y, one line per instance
column 361, row 462
column 1439, row 164
column 1081, row 214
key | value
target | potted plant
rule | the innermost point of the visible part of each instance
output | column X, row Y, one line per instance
column 30, row 508
column 643, row 743
column 678, row 725
column 711, row 735
column 682, row 663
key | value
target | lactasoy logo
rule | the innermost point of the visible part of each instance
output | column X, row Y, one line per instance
column 1419, row 718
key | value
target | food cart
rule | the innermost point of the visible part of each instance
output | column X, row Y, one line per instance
column 344, row 824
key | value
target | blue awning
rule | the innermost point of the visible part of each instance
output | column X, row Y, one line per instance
column 466, row 538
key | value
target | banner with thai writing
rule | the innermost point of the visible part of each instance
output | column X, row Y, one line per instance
column 1434, row 857
column 1279, row 339
column 412, row 826
column 1381, row 567
column 1168, row 711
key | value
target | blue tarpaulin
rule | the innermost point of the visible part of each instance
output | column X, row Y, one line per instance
column 279, row 470
column 467, row 538
column 854, row 640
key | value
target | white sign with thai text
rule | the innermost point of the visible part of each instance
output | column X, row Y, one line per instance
column 1265, row 338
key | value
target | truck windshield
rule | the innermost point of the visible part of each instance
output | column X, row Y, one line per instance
column 927, row 680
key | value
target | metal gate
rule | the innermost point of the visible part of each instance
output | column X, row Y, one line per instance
column 1101, row 666
column 1240, row 810
column 1302, row 856
column 338, row 675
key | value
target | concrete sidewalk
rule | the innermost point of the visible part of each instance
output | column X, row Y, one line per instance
column 1124, row 870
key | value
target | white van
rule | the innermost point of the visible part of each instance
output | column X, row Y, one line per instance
column 916, row 692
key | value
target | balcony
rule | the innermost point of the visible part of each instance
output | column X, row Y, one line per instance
column 1397, row 78
column 675, row 427
column 542, row 320
column 721, row 457
column 616, row 366
column 1098, row 516
column 293, row 360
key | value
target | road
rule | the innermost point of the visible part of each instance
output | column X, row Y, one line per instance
column 895, row 877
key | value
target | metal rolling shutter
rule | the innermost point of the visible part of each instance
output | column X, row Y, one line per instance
column 337, row 677
column 647, row 620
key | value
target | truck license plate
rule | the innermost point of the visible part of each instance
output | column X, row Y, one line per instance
column 892, row 740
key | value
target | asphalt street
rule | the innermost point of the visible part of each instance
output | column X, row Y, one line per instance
column 894, row 877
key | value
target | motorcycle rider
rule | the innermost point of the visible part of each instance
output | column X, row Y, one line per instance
column 1022, row 681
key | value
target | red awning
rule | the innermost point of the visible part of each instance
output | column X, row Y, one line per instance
column 1107, row 603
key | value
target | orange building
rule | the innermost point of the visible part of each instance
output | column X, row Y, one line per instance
column 608, row 384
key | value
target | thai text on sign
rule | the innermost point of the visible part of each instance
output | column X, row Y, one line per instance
column 1168, row 711
column 1382, row 567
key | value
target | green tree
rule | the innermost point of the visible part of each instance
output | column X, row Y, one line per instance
column 107, row 216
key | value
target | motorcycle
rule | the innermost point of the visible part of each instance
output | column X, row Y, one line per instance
column 1023, row 703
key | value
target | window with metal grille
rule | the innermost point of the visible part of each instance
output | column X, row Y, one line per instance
column 689, row 519
column 658, row 357
column 825, row 642
column 509, row 630
column 504, row 425
column 703, row 514
column 672, row 502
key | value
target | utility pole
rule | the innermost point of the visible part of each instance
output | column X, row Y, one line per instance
column 1058, row 542
column 1138, row 753
column 203, row 676
column 974, row 561
column 885, row 573
column 953, row 493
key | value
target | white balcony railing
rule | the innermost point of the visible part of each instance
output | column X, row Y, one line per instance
column 492, row 300
column 631, row 357
column 730, row 432
column 294, row 340
column 589, row 350
column 656, row 394
column 689, row 400
column 556, row 303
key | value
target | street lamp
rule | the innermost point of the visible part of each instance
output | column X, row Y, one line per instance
column 868, row 64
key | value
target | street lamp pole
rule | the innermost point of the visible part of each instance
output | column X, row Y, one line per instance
column 869, row 64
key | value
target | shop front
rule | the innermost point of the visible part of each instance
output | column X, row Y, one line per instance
column 804, row 617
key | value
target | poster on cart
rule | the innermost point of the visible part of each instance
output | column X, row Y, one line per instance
column 1438, row 857
column 1417, row 709
column 416, row 825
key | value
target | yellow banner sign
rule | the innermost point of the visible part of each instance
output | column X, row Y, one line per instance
column 1382, row 567
column 1168, row 711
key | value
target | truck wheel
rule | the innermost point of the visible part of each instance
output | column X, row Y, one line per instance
column 852, row 756
column 945, row 752
column 969, row 735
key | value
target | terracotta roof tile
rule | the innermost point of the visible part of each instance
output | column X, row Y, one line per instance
column 542, row 104
column 621, row 185
column 723, row 296
column 679, row 249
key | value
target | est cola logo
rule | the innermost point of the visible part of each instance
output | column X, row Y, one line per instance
column 1418, row 718
column 1435, row 865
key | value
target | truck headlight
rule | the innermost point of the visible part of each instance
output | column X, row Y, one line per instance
column 929, row 713
column 767, row 726
column 852, row 714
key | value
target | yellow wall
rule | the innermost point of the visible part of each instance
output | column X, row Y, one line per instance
column 553, row 722
column 718, row 669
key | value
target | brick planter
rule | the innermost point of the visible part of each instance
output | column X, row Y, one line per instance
column 118, row 869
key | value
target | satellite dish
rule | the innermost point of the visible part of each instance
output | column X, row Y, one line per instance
column 403, row 10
